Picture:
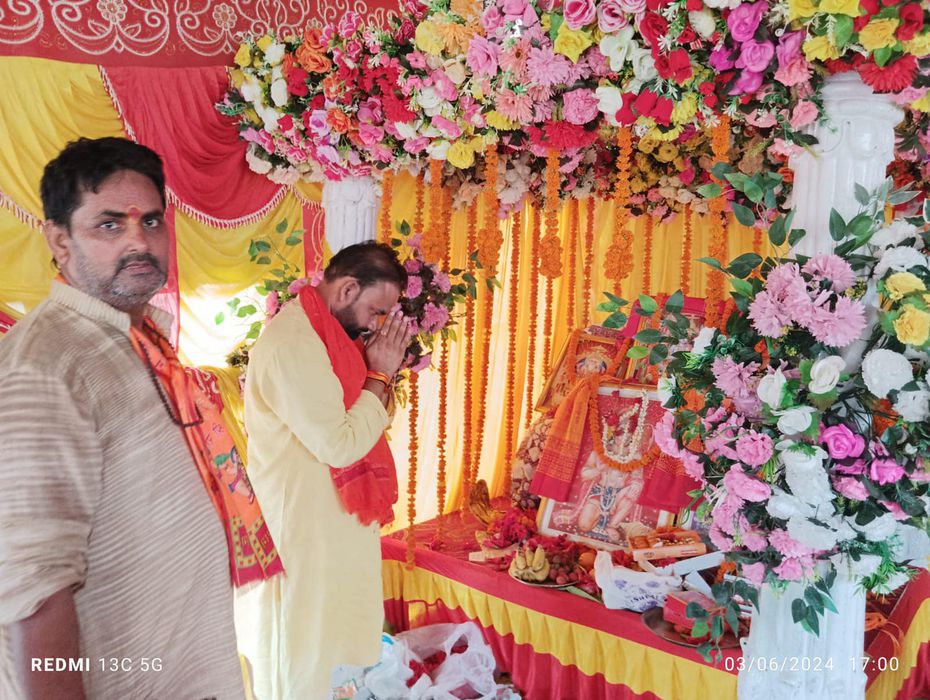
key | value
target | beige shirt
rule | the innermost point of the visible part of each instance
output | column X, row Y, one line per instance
column 100, row 494
column 327, row 609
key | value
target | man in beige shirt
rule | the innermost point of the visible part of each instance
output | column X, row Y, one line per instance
column 315, row 414
column 114, row 570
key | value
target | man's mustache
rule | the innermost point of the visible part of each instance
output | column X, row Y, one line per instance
column 139, row 257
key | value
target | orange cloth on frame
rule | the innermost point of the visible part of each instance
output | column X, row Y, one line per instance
column 252, row 553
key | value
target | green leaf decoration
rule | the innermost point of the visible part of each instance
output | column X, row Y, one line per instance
column 743, row 265
column 779, row 229
column 743, row 214
column 837, row 226
column 713, row 262
column 796, row 235
column 658, row 354
column 281, row 227
column 798, row 610
column 675, row 303
column 647, row 304
column 862, row 194
column 649, row 336
column 637, row 352
column 218, row 319
column 843, row 31
column 710, row 190
column 741, row 287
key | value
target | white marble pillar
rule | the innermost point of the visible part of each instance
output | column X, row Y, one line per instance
column 350, row 206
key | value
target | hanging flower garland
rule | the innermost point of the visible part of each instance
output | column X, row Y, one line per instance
column 550, row 253
column 418, row 213
column 490, row 238
column 687, row 244
column 720, row 144
column 534, row 306
column 434, row 241
column 467, row 439
column 618, row 262
column 588, row 262
column 483, row 392
column 647, row 255
column 574, row 208
column 516, row 233
column 387, row 196
column 441, row 429
column 412, row 476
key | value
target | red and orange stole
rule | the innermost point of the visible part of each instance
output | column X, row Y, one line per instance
column 368, row 488
column 252, row 554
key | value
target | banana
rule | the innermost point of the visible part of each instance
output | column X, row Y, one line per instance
column 539, row 558
column 520, row 560
column 542, row 573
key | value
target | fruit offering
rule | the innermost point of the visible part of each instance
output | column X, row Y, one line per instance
column 529, row 565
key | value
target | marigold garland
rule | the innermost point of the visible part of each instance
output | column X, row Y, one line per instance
column 618, row 261
column 467, row 444
column 720, row 144
column 534, row 306
column 412, row 476
column 418, row 213
column 490, row 238
column 441, row 429
column 574, row 209
column 550, row 253
column 516, row 233
column 687, row 244
column 487, row 325
column 547, row 330
column 647, row 255
column 387, row 196
column 588, row 262
column 434, row 243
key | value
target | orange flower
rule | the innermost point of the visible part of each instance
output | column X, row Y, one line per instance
column 311, row 54
column 332, row 86
column 338, row 120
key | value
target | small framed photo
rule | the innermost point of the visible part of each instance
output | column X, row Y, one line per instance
column 592, row 351
column 603, row 508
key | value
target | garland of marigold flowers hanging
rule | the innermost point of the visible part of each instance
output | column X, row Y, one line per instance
column 720, row 144
column 434, row 241
column 618, row 262
column 418, row 214
column 516, row 233
column 490, row 238
column 687, row 244
column 412, row 475
column 387, row 196
column 485, row 357
column 574, row 208
column 443, row 380
column 467, row 443
column 588, row 262
column 534, row 306
column 647, row 255
column 550, row 253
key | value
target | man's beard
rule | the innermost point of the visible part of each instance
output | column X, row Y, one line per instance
column 349, row 322
column 115, row 293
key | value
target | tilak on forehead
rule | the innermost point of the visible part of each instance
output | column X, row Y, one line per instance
column 134, row 212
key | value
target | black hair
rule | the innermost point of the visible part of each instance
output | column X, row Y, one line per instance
column 369, row 263
column 84, row 164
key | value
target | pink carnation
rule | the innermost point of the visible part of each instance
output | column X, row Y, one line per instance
column 482, row 56
column 664, row 435
column 548, row 68
column 732, row 377
column 414, row 287
column 516, row 107
column 746, row 487
column 850, row 488
column 434, row 318
column 754, row 449
column 768, row 316
column 692, row 465
column 579, row 13
column 787, row 546
column 272, row 304
column 754, row 541
column 720, row 540
column 441, row 280
column 839, row 327
column 830, row 268
column 841, row 442
column 754, row 572
column 412, row 266
column 789, row 570
column 580, row 106
column 804, row 113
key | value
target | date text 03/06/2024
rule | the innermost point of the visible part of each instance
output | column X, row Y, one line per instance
column 808, row 663
column 84, row 664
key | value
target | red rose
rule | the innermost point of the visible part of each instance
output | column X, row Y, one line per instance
column 687, row 35
column 893, row 77
column 297, row 82
column 912, row 21
column 653, row 27
column 625, row 114
column 286, row 122
column 708, row 91
column 695, row 5
column 317, row 102
column 676, row 66
column 656, row 5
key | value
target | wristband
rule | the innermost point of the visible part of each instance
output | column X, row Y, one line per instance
column 379, row 377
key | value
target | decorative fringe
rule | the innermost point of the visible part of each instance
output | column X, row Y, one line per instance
column 490, row 239
column 412, row 478
column 31, row 220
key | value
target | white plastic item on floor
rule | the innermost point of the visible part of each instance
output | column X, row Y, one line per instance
column 625, row 589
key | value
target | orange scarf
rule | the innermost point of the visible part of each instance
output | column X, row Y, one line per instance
column 252, row 554
column 368, row 488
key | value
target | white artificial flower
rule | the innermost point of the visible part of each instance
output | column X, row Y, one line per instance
column 893, row 234
column 914, row 406
column 812, row 535
column 703, row 23
column 899, row 259
column 866, row 566
column 885, row 370
column 703, row 340
column 284, row 176
column 430, row 102
column 274, row 54
column 250, row 90
column 879, row 529
column 609, row 102
column 279, row 92
column 795, row 420
column 806, row 476
column 438, row 149
column 770, row 389
column 723, row 4
column 455, row 70
column 784, row 506
column 665, row 388
column 407, row 131
column 257, row 164
column 269, row 117
column 644, row 66
column 616, row 47
column 825, row 374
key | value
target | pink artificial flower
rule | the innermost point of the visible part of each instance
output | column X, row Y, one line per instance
column 444, row 86
column 597, row 62
column 744, row 20
column 840, row 326
column 830, row 268
column 579, row 13
column 370, row 111
column 784, row 149
column 353, row 50
column 732, row 377
column 850, row 488
column 755, row 56
column 687, row 176
column 762, row 119
column 301, row 282
column 611, row 17
column 692, row 465
column 721, row 59
column 841, row 442
column 546, row 67
column 422, row 363
column 513, row 58
column 748, row 83
column 521, row 10
column 417, row 60
column 663, row 434
column 516, row 107
column 434, row 318
column 414, row 286
column 412, row 265
column 754, row 573
column 855, row 468
column 441, row 280
column 754, row 449
column 768, row 316
column 350, row 23
column 789, row 570
column 720, row 541
column 272, row 304
column 793, row 68
column 633, row 7
column 492, row 19
column 579, row 106
column 743, row 486
column 370, row 135
column 804, row 113
column 885, row 471
column 318, row 122
column 416, row 145
column 448, row 128
column 787, row 546
column 754, row 541
column 482, row 56
column 896, row 511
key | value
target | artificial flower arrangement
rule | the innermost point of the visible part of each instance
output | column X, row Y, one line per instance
column 428, row 301
column 809, row 462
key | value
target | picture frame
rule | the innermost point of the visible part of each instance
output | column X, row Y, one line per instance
column 602, row 509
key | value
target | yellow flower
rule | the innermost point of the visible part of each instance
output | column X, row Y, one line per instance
column 923, row 104
column 243, row 56
column 800, row 8
column 840, row 7
column 461, row 155
column 900, row 284
column 455, row 37
column 659, row 135
column 236, row 77
column 918, row 46
column 571, row 42
column 913, row 326
column 498, row 121
column 684, row 110
column 637, row 184
column 428, row 38
column 667, row 153
column 820, row 49
column 546, row 22
column 878, row 34
column 265, row 42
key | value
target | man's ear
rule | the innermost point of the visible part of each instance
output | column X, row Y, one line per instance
column 348, row 291
column 59, row 241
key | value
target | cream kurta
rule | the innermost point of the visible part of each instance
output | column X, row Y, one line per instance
column 327, row 609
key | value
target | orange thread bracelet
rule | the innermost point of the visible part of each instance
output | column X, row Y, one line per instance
column 379, row 377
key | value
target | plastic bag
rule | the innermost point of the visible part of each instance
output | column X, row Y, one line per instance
column 625, row 589
column 388, row 679
column 467, row 668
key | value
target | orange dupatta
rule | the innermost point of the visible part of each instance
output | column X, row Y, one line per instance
column 252, row 553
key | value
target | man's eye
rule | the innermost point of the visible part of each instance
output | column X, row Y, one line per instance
column 109, row 226
column 153, row 222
